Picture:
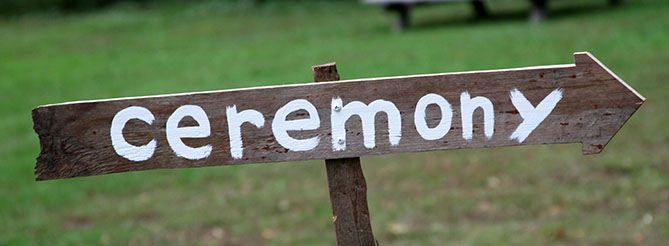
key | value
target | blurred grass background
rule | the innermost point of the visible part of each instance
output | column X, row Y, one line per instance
column 531, row 195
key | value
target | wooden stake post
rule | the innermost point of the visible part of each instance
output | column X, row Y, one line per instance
column 348, row 189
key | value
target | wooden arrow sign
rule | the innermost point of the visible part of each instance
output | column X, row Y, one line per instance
column 576, row 103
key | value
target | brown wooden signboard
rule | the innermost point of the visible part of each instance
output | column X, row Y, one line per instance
column 575, row 103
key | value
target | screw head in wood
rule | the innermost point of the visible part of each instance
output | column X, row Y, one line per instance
column 341, row 140
column 337, row 108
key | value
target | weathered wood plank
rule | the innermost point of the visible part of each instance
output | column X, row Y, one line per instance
column 347, row 185
column 75, row 138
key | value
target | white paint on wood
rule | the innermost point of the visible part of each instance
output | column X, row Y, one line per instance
column 281, row 126
column 532, row 116
column 467, row 107
column 420, row 122
column 367, row 114
column 175, row 133
column 122, row 147
column 235, row 121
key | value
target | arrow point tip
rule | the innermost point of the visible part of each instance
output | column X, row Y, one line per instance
column 586, row 62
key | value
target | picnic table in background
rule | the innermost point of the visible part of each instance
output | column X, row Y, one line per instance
column 538, row 9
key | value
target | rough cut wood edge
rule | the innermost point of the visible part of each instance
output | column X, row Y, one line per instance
column 47, row 150
column 347, row 186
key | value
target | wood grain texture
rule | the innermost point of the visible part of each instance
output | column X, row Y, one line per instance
column 75, row 137
column 348, row 188
column 348, row 197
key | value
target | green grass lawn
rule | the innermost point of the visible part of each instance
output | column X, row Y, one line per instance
column 531, row 195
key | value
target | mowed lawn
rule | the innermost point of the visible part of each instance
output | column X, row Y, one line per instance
column 530, row 195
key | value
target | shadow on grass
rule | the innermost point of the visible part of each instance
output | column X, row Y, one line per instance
column 511, row 16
